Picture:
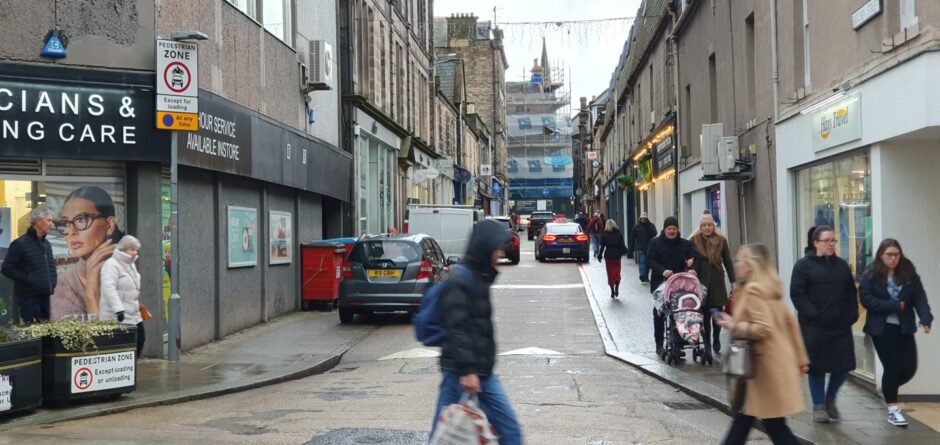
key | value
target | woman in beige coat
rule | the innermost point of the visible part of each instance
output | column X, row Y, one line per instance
column 779, row 357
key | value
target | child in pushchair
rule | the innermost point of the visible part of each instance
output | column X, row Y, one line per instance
column 679, row 303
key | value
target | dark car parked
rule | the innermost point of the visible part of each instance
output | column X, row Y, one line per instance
column 388, row 273
column 562, row 240
column 537, row 220
column 512, row 253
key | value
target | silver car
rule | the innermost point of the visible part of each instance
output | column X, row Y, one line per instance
column 388, row 273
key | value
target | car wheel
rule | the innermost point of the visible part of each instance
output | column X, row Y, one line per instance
column 515, row 259
column 346, row 315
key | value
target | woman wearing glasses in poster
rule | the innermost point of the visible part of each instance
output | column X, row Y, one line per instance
column 89, row 228
column 892, row 291
column 823, row 291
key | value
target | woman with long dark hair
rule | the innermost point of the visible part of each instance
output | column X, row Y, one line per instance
column 892, row 291
column 89, row 226
column 823, row 291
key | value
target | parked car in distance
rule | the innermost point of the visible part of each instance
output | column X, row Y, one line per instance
column 537, row 220
column 562, row 240
column 449, row 226
column 389, row 273
column 512, row 253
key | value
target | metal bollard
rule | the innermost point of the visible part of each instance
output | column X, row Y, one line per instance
column 173, row 329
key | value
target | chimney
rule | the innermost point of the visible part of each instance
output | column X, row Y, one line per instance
column 461, row 30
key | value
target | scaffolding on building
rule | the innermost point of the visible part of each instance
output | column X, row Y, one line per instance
column 539, row 124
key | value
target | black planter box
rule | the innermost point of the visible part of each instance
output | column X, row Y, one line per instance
column 21, row 363
column 108, row 370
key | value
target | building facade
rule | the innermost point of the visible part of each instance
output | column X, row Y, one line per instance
column 83, row 129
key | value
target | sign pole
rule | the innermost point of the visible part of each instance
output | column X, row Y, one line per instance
column 173, row 317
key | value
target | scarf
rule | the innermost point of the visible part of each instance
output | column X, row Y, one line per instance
column 710, row 247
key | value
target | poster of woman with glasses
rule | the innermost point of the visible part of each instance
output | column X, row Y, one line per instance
column 88, row 225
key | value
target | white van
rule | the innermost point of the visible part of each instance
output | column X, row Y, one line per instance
column 449, row 225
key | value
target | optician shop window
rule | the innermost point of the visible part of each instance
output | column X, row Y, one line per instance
column 90, row 219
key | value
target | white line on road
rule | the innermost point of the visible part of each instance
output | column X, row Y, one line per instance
column 537, row 286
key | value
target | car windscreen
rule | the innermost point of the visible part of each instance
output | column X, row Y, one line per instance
column 504, row 222
column 563, row 229
column 543, row 216
column 376, row 251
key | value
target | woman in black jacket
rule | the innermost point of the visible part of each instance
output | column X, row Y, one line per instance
column 612, row 249
column 823, row 291
column 889, row 289
column 668, row 253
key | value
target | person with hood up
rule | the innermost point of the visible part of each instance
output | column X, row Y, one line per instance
column 892, row 291
column 711, row 266
column 779, row 358
column 667, row 254
column 612, row 250
column 468, row 352
column 643, row 232
column 823, row 291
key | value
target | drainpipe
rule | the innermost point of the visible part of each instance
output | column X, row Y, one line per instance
column 775, row 74
column 675, row 128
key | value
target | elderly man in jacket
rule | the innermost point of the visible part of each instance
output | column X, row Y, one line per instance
column 468, row 353
column 30, row 265
column 639, row 240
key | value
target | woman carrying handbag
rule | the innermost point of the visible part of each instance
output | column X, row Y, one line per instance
column 778, row 357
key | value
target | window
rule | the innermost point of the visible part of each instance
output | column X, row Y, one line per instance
column 807, row 61
column 557, row 168
column 525, row 123
column 548, row 122
column 750, row 62
column 513, row 166
column 535, row 167
column 713, row 203
column 276, row 16
column 686, row 113
column 908, row 13
column 798, row 47
column 713, row 89
column 246, row 6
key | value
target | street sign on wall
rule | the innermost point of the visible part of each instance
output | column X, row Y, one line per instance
column 177, row 86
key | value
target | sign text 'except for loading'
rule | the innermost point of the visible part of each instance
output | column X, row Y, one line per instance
column 177, row 86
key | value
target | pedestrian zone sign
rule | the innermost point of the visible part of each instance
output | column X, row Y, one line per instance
column 177, row 86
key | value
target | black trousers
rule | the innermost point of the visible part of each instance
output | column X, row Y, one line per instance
column 898, row 355
column 659, row 329
column 140, row 338
column 710, row 326
column 33, row 309
column 777, row 429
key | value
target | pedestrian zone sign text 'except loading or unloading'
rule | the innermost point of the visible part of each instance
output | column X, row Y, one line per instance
column 177, row 86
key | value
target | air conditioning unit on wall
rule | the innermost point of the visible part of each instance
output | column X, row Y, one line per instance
column 728, row 154
column 320, row 74
column 709, row 139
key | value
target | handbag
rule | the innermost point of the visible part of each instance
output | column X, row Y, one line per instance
column 145, row 313
column 739, row 361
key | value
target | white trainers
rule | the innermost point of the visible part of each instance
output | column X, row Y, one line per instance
column 896, row 418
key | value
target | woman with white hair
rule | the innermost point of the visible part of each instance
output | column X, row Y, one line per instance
column 120, row 288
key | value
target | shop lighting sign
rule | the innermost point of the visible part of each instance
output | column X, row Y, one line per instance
column 837, row 124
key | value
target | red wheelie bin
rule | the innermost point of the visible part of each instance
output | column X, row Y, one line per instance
column 321, row 266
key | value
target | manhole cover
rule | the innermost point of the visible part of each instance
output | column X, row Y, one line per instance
column 685, row 406
column 360, row 436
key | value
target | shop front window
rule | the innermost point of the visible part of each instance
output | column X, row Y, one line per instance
column 90, row 220
column 837, row 194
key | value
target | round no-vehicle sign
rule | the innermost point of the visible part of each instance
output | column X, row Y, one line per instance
column 177, row 68
column 83, row 378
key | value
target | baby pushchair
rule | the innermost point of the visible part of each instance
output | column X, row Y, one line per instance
column 681, row 311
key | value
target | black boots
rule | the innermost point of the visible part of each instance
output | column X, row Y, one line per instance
column 614, row 290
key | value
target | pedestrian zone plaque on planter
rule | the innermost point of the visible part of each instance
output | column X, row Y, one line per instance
column 6, row 393
column 99, row 372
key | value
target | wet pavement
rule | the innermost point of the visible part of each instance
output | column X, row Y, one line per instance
column 627, row 327
column 288, row 347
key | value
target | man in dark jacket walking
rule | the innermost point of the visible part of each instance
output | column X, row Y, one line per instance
column 667, row 254
column 31, row 266
column 468, row 353
column 643, row 232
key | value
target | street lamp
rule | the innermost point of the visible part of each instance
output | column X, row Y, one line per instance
column 173, row 306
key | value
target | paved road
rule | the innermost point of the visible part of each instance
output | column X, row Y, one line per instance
column 565, row 389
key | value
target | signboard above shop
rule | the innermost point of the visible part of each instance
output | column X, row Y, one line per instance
column 837, row 124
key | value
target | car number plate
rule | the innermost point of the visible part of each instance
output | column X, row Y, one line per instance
column 384, row 273
column 566, row 250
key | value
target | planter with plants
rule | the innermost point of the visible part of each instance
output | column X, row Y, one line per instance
column 20, row 373
column 625, row 182
column 82, row 360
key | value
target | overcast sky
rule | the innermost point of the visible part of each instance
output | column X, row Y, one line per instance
column 590, row 51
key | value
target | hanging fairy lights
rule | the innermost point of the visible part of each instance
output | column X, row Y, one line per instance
column 571, row 33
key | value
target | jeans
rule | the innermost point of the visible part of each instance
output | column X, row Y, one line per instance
column 777, row 429
column 898, row 355
column 595, row 243
column 493, row 401
column 33, row 309
column 817, row 386
column 641, row 262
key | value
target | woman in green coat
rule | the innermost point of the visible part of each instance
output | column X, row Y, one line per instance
column 712, row 263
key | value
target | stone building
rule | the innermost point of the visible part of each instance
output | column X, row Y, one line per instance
column 85, row 124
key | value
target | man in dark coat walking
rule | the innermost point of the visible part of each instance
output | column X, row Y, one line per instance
column 667, row 254
column 468, row 353
column 643, row 232
column 30, row 265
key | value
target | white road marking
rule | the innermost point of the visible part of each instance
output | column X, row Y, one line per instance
column 413, row 353
column 532, row 351
column 537, row 286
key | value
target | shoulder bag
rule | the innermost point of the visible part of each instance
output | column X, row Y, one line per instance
column 739, row 362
